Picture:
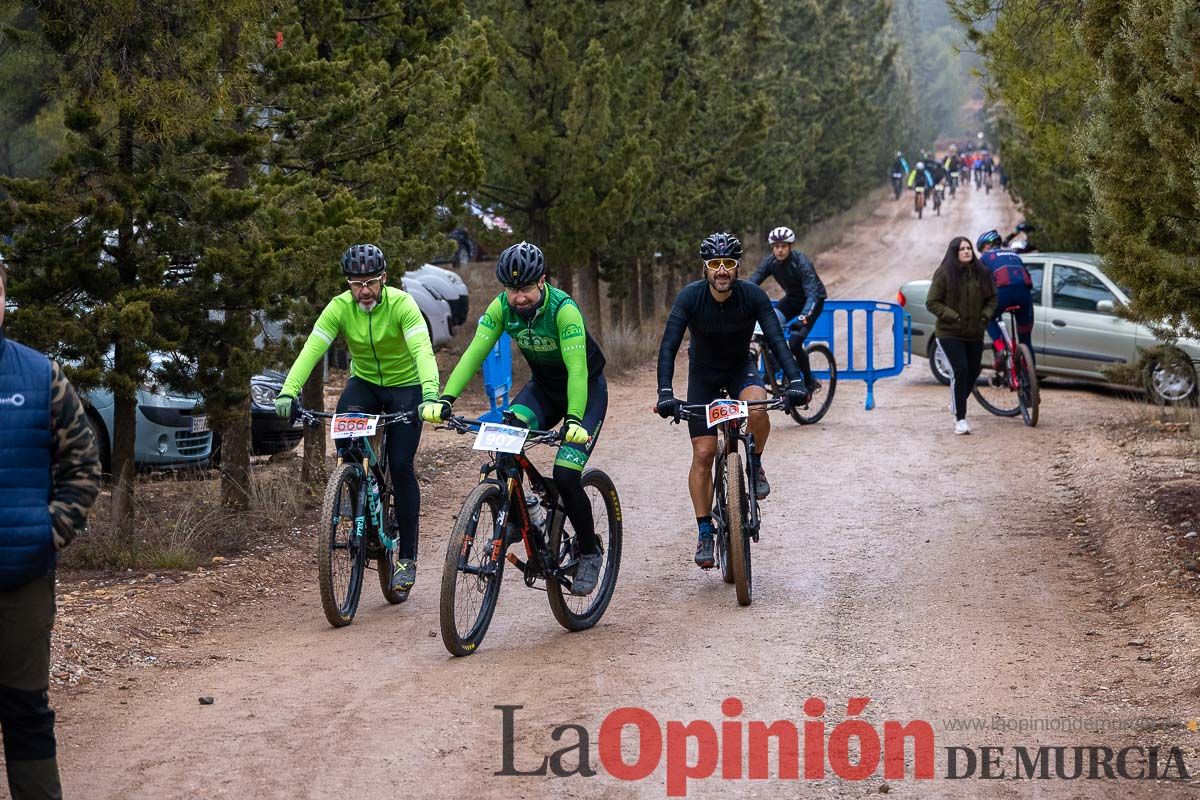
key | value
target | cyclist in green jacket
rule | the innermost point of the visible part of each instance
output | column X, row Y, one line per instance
column 392, row 369
column 567, row 383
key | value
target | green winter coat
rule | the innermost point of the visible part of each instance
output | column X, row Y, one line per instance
column 965, row 316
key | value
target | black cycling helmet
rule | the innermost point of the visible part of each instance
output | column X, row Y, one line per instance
column 363, row 259
column 991, row 237
column 721, row 245
column 520, row 265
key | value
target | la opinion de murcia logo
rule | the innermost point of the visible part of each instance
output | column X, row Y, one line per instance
column 16, row 400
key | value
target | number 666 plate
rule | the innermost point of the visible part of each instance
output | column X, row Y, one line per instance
column 719, row 411
column 345, row 426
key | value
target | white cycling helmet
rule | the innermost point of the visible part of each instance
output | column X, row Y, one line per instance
column 781, row 235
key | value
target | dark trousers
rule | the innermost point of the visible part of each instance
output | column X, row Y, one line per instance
column 26, row 721
column 799, row 333
column 360, row 395
column 965, row 357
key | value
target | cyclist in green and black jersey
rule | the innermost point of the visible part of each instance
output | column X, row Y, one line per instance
column 567, row 383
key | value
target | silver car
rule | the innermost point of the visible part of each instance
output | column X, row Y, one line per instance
column 1076, row 331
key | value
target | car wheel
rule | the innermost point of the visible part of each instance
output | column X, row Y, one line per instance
column 102, row 444
column 939, row 365
column 1171, row 380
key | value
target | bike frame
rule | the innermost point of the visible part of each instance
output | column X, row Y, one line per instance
column 1008, row 348
column 356, row 450
column 509, row 471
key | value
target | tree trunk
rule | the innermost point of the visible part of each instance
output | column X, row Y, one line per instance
column 235, row 458
column 124, row 471
column 646, row 276
column 618, row 305
column 313, row 396
column 587, row 295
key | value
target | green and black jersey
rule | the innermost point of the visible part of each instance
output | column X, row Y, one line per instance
column 562, row 356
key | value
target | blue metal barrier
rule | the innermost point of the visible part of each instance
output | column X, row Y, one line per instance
column 823, row 330
column 498, row 378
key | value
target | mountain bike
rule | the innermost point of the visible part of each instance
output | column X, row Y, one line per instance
column 358, row 527
column 498, row 513
column 897, row 183
column 735, row 514
column 1012, row 388
column 821, row 361
column 938, row 193
column 987, row 182
column 919, row 200
column 953, row 182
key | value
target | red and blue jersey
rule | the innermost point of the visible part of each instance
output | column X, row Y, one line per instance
column 1007, row 268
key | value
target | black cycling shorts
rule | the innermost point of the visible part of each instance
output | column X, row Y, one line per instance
column 704, row 386
column 542, row 410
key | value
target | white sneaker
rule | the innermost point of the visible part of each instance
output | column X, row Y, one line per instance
column 961, row 427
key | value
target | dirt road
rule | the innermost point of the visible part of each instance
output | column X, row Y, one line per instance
column 931, row 573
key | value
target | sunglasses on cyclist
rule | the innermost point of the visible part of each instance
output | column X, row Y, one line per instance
column 369, row 283
column 718, row 264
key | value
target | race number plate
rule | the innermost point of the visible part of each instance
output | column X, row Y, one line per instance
column 200, row 424
column 345, row 426
column 500, row 438
column 719, row 411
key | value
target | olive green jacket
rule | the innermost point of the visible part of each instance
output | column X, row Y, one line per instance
column 965, row 316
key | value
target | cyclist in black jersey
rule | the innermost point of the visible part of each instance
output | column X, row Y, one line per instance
column 803, row 293
column 720, row 312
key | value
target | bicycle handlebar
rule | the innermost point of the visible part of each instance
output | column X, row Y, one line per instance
column 464, row 425
column 699, row 409
column 312, row 416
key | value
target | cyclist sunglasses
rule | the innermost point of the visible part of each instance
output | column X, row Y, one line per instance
column 370, row 283
column 718, row 264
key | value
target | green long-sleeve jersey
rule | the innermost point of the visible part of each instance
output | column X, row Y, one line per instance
column 562, row 356
column 388, row 347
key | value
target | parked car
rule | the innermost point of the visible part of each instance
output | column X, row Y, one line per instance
column 1077, row 332
column 447, row 285
column 173, row 431
column 436, row 310
column 170, row 431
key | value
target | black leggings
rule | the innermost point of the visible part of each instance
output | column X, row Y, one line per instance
column 966, row 359
column 402, row 441
column 800, row 332
column 542, row 410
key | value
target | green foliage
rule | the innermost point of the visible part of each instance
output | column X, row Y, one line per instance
column 1038, row 78
column 1143, row 151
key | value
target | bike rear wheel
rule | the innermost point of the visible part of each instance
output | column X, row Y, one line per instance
column 738, row 536
column 1028, row 392
column 821, row 359
column 341, row 550
column 995, row 393
column 472, row 571
column 580, row 612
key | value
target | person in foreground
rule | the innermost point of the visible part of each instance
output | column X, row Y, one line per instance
column 49, row 478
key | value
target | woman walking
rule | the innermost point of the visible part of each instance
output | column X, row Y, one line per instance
column 963, row 298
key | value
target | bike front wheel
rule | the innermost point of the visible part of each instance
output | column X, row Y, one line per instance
column 820, row 359
column 736, row 531
column 341, row 551
column 580, row 612
column 472, row 571
column 1028, row 392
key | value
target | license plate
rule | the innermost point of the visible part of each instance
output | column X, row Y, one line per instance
column 200, row 424
column 344, row 426
column 719, row 411
column 500, row 438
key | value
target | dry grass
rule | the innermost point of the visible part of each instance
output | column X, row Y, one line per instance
column 179, row 521
column 627, row 347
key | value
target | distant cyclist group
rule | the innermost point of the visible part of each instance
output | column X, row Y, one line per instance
column 932, row 177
